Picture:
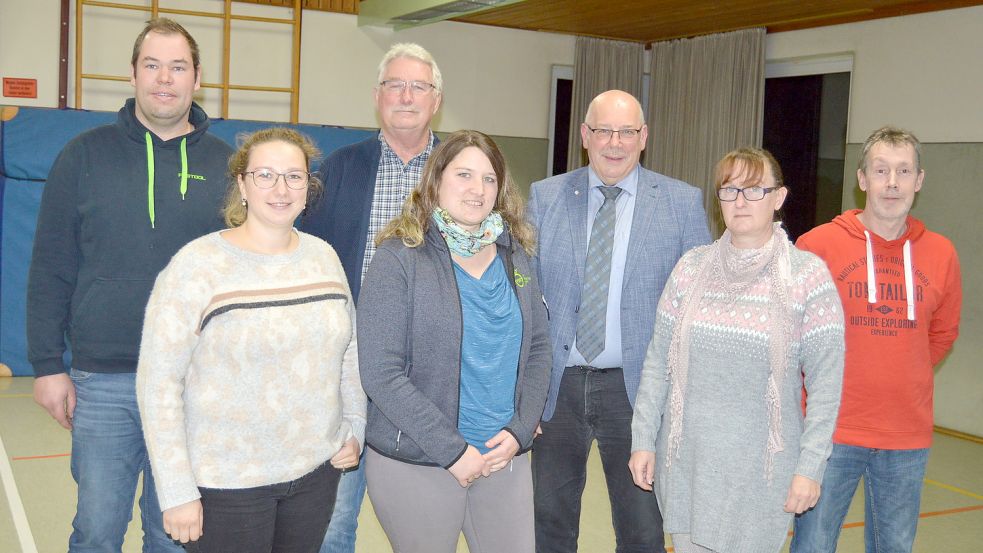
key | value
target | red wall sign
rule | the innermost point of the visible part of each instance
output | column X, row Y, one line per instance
column 20, row 88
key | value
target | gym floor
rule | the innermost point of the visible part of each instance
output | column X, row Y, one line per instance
column 37, row 494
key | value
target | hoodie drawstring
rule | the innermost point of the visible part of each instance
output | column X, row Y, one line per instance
column 150, row 174
column 909, row 284
column 871, row 279
column 909, row 281
column 184, row 167
column 150, row 178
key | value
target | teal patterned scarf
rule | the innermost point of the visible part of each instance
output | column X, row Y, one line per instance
column 463, row 242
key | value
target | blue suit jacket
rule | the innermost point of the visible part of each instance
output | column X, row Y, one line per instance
column 341, row 216
column 668, row 220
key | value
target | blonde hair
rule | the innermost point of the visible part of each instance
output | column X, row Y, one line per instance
column 413, row 222
column 235, row 213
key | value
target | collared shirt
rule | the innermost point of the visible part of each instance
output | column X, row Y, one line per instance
column 625, row 211
column 394, row 181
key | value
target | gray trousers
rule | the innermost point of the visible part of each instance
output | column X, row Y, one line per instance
column 424, row 510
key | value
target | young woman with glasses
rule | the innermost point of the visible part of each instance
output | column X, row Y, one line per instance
column 248, row 377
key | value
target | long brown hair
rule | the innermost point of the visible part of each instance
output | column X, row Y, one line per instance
column 415, row 218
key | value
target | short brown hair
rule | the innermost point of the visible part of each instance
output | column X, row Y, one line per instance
column 165, row 26
column 415, row 218
column 751, row 162
column 234, row 211
column 895, row 137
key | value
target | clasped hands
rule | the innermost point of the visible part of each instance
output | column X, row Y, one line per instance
column 473, row 465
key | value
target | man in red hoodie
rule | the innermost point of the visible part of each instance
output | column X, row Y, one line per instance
column 902, row 294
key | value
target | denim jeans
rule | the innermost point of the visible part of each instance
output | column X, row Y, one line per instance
column 108, row 456
column 892, row 497
column 287, row 517
column 340, row 537
column 591, row 405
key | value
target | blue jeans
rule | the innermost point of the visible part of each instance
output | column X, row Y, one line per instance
column 108, row 456
column 340, row 537
column 287, row 517
column 892, row 497
column 591, row 405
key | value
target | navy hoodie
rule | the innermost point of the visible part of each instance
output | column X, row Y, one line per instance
column 117, row 205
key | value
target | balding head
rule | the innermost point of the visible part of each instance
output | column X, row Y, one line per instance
column 614, row 98
column 614, row 155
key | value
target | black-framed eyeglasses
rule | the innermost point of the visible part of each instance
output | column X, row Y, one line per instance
column 397, row 86
column 624, row 134
column 751, row 193
column 267, row 178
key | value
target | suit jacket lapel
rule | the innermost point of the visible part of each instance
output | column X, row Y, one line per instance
column 576, row 198
column 647, row 217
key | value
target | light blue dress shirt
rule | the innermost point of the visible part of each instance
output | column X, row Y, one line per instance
column 625, row 211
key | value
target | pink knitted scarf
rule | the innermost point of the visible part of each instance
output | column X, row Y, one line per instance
column 730, row 272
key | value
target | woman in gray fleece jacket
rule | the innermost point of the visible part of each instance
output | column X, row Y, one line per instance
column 455, row 358
column 743, row 324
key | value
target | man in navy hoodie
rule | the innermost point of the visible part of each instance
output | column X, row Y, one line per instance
column 365, row 185
column 120, row 200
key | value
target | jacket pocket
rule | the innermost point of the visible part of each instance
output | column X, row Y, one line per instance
column 109, row 320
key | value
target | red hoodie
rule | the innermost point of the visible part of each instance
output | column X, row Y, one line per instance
column 902, row 316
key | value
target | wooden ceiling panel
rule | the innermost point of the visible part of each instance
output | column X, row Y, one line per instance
column 654, row 20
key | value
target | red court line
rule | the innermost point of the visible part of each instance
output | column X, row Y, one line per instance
column 923, row 515
column 930, row 514
column 40, row 457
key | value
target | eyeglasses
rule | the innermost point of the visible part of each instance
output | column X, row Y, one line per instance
column 626, row 135
column 397, row 86
column 751, row 193
column 266, row 178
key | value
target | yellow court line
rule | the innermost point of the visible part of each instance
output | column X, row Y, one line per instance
column 957, row 434
column 5, row 396
column 954, row 489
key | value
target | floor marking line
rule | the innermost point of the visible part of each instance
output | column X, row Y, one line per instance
column 957, row 434
column 954, row 489
column 957, row 510
column 33, row 457
column 27, row 543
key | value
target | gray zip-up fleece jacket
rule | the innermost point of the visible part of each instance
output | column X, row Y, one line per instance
column 409, row 350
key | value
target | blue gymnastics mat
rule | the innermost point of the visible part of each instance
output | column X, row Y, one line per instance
column 29, row 144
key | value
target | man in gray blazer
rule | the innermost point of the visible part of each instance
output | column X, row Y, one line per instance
column 604, row 257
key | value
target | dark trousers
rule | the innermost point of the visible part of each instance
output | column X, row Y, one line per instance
column 289, row 517
column 591, row 405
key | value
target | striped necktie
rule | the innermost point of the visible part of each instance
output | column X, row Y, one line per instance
column 597, row 276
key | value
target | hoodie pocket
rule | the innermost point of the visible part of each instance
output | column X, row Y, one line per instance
column 109, row 320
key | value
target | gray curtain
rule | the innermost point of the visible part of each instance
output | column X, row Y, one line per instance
column 600, row 65
column 706, row 98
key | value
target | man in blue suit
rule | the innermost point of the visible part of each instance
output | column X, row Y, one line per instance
column 604, row 256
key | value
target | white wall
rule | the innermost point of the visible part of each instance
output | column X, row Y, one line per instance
column 496, row 80
column 923, row 72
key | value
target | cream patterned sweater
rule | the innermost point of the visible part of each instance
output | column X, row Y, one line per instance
column 248, row 373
